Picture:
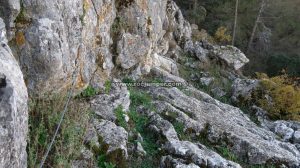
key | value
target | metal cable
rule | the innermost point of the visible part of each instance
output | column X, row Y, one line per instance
column 70, row 93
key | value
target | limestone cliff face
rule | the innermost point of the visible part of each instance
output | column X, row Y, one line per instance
column 13, row 108
column 51, row 40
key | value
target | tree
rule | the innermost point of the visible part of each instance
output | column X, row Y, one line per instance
column 262, row 6
column 235, row 21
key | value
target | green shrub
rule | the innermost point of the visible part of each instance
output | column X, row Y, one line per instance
column 120, row 117
column 102, row 162
column 222, row 35
column 139, row 124
column 44, row 115
column 140, row 98
column 107, row 85
column 284, row 94
column 89, row 92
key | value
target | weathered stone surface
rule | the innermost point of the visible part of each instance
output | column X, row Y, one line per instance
column 166, row 64
column 104, row 105
column 55, row 39
column 227, row 124
column 9, row 10
column 140, row 150
column 296, row 137
column 232, row 56
column 13, row 108
column 284, row 132
column 243, row 88
column 113, row 140
column 168, row 161
column 176, row 22
column 186, row 150
column 132, row 49
column 206, row 81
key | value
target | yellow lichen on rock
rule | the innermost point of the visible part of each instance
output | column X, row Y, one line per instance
column 20, row 38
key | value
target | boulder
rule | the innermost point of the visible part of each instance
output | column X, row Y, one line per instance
column 104, row 105
column 13, row 108
column 113, row 141
column 230, row 55
column 283, row 131
column 296, row 137
column 169, row 161
column 206, row 81
column 243, row 88
column 166, row 64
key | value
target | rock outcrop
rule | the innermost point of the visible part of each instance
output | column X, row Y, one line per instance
column 13, row 108
column 225, row 124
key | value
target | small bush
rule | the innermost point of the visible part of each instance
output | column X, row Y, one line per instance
column 89, row 92
column 279, row 96
column 120, row 117
column 140, row 98
column 222, row 35
column 107, row 85
column 102, row 162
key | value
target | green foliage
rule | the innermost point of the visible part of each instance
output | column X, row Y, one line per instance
column 44, row 115
column 85, row 7
column 119, row 25
column 226, row 153
column 140, row 98
column 278, row 62
column 222, row 36
column 22, row 18
column 120, row 117
column 89, row 92
column 127, row 80
column 179, row 128
column 102, row 162
column 107, row 85
column 139, row 124
column 284, row 101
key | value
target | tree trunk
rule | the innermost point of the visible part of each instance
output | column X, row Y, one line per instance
column 235, row 22
column 256, row 24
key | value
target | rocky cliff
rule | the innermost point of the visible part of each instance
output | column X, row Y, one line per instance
column 90, row 42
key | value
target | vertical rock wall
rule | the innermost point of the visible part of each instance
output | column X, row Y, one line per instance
column 13, row 108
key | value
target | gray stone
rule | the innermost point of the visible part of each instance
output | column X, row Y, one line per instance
column 231, row 55
column 218, row 92
column 113, row 140
column 104, row 105
column 62, row 37
column 296, row 137
column 14, row 110
column 170, row 162
column 200, row 52
column 206, row 81
column 140, row 150
column 9, row 10
column 283, row 131
column 166, row 64
column 243, row 88
column 227, row 124
column 132, row 49
column 186, row 150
